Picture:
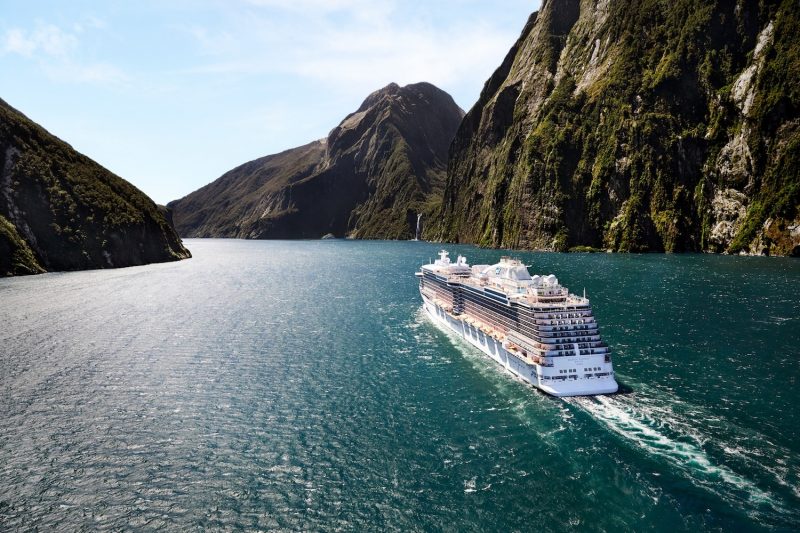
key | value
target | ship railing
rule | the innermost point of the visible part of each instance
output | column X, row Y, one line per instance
column 571, row 346
column 570, row 352
column 544, row 299
column 554, row 342
column 567, row 322
column 538, row 315
column 571, row 339
column 560, row 341
column 560, row 335
column 564, row 321
column 567, row 327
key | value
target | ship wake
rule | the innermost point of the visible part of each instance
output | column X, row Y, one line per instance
column 661, row 432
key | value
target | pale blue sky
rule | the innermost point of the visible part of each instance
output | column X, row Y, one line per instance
column 170, row 94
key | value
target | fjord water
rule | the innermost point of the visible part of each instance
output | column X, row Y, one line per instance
column 297, row 385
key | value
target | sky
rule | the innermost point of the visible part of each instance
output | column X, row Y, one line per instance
column 171, row 94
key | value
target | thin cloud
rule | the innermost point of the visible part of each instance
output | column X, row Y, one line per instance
column 97, row 73
column 56, row 51
column 357, row 9
column 89, row 22
column 211, row 43
column 351, row 46
column 404, row 57
column 45, row 39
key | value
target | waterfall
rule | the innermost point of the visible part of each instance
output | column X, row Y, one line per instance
column 417, row 234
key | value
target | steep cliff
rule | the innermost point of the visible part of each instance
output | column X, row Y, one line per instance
column 636, row 125
column 59, row 210
column 369, row 178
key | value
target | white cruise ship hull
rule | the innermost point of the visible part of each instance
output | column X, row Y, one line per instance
column 546, row 379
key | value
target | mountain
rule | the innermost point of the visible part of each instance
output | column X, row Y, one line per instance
column 372, row 175
column 59, row 210
column 636, row 125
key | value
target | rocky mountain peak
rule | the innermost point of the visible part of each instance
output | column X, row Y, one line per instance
column 376, row 97
column 413, row 92
column 378, row 168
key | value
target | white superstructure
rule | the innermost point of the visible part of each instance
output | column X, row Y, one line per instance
column 531, row 325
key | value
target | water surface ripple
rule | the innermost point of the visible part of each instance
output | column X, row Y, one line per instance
column 297, row 386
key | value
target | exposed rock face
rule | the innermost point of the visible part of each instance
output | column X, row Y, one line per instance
column 369, row 178
column 59, row 210
column 636, row 125
column 728, row 210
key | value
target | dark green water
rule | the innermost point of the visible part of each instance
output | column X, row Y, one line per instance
column 296, row 385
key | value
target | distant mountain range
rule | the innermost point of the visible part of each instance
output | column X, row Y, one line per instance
column 636, row 126
column 59, row 210
column 372, row 175
column 629, row 125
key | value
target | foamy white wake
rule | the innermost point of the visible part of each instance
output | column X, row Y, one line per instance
column 658, row 432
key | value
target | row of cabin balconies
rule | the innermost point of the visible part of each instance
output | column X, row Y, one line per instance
column 561, row 331
column 583, row 343
column 570, row 327
column 565, row 322
column 562, row 336
column 571, row 346
column 587, row 336
column 562, row 346
column 543, row 354
column 562, row 315
column 571, row 351
column 550, row 342
column 561, row 309
column 570, row 333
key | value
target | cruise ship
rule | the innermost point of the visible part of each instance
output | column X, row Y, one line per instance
column 531, row 325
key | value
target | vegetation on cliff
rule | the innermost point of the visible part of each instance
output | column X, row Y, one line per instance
column 59, row 210
column 380, row 167
column 637, row 125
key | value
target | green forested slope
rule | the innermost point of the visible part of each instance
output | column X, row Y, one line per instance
column 636, row 125
column 59, row 210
